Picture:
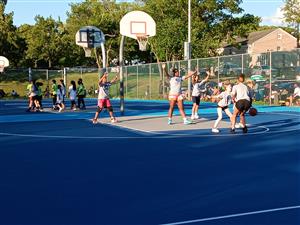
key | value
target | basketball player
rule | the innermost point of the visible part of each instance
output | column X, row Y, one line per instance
column 175, row 94
column 243, row 99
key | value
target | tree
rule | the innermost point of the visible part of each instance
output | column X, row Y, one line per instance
column 213, row 22
column 105, row 15
column 11, row 45
column 4, row 2
column 291, row 11
column 44, row 41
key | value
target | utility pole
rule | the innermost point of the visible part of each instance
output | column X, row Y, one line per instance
column 187, row 48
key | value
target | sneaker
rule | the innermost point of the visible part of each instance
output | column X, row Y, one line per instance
column 113, row 120
column 245, row 130
column 192, row 117
column 187, row 122
column 232, row 131
column 239, row 125
column 215, row 130
column 60, row 110
column 169, row 121
column 95, row 121
column 196, row 116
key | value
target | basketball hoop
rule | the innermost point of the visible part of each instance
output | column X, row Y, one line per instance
column 2, row 65
column 143, row 41
column 88, row 52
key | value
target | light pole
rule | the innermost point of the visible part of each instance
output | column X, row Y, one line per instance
column 187, row 47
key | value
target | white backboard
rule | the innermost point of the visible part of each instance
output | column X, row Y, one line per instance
column 4, row 61
column 89, row 37
column 137, row 23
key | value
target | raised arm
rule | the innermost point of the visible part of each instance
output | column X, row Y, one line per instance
column 207, row 77
column 191, row 73
column 115, row 79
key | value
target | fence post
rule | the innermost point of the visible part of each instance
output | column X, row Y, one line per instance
column 47, row 75
column 65, row 76
column 242, row 63
column 150, row 86
column 137, row 81
column 218, row 70
column 29, row 74
column 270, row 90
column 126, row 82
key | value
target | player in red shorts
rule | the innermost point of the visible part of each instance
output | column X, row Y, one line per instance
column 103, row 97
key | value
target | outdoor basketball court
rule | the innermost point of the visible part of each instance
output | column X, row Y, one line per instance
column 59, row 168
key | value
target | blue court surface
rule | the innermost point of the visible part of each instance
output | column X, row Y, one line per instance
column 59, row 168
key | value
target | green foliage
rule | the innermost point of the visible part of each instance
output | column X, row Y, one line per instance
column 44, row 41
column 213, row 22
column 50, row 43
column 11, row 45
column 292, row 11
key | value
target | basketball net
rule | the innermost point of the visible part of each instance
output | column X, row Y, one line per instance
column 2, row 63
column 88, row 51
column 143, row 41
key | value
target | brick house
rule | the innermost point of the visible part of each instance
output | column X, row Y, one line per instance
column 262, row 41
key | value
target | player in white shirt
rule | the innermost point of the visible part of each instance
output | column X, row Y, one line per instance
column 242, row 98
column 103, row 97
column 225, row 101
column 196, row 94
column 296, row 95
column 73, row 94
column 175, row 94
column 60, row 98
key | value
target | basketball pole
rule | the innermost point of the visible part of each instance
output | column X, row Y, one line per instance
column 121, row 64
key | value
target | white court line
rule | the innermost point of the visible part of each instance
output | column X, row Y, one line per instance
column 155, row 135
column 234, row 215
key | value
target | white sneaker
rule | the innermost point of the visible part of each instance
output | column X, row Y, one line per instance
column 187, row 122
column 192, row 117
column 169, row 121
column 215, row 130
column 95, row 121
column 60, row 110
column 196, row 116
column 113, row 120
column 239, row 125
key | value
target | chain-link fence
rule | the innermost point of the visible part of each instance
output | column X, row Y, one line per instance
column 274, row 74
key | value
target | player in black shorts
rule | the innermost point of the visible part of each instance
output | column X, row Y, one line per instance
column 242, row 98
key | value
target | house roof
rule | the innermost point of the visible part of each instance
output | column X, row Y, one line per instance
column 252, row 37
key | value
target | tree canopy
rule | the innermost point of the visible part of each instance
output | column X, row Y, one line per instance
column 50, row 43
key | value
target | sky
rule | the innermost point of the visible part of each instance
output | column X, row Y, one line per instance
column 26, row 10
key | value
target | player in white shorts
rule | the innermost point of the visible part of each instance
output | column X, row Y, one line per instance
column 223, row 104
column 243, row 100
column 175, row 94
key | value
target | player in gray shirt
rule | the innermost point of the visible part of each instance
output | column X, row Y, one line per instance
column 242, row 98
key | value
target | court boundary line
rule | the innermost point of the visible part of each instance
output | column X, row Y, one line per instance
column 234, row 215
column 154, row 136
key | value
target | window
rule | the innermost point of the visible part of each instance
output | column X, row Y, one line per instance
column 279, row 36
